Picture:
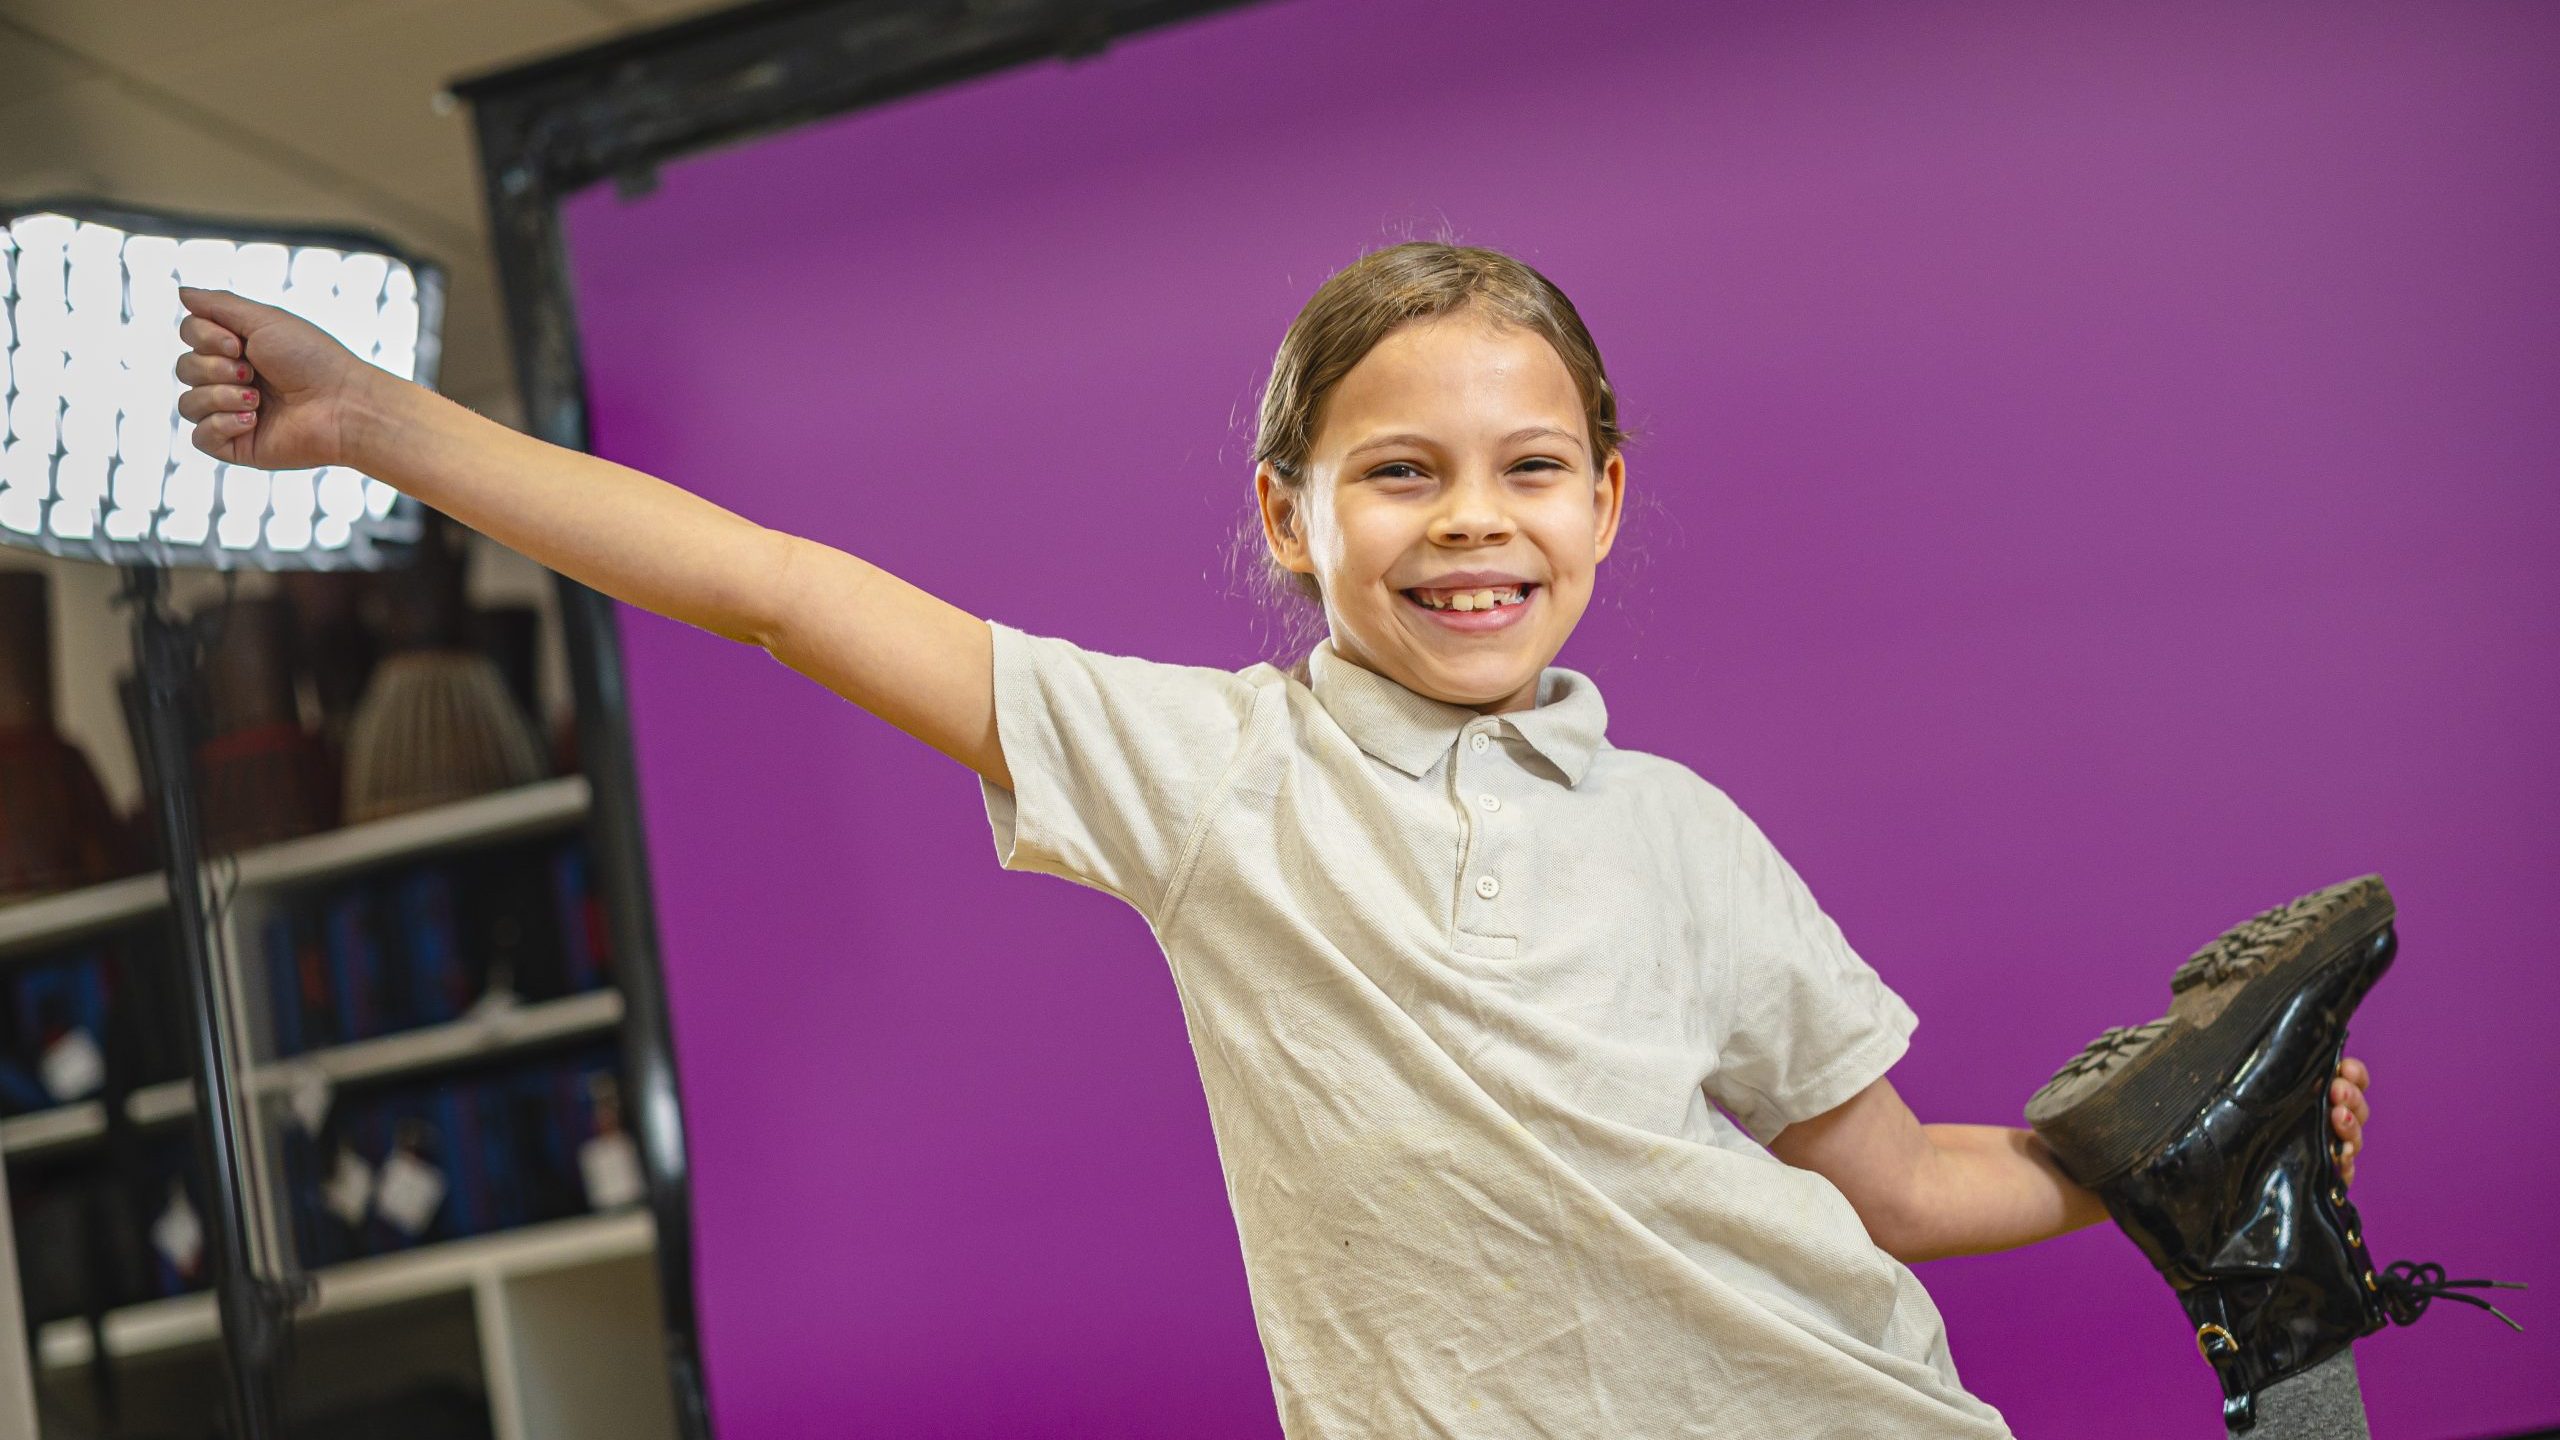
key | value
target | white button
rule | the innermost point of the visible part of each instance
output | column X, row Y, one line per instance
column 1488, row 887
column 1490, row 802
column 1478, row 743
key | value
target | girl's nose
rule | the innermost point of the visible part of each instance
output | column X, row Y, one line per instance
column 1471, row 512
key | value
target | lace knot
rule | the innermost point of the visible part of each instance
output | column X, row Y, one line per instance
column 2407, row 1289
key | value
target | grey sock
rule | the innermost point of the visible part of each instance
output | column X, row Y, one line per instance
column 2321, row 1403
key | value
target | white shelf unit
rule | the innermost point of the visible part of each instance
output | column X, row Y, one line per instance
column 30, row 924
column 453, row 1267
column 484, row 819
column 481, row 1035
column 487, row 1311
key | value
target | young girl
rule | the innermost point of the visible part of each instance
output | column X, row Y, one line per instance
column 1473, row 992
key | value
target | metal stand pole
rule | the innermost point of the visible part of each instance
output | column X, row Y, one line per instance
column 254, row 1315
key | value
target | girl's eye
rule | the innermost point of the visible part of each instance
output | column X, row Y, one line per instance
column 1395, row 470
column 1539, row 462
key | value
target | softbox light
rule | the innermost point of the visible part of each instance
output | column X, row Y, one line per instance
column 95, row 462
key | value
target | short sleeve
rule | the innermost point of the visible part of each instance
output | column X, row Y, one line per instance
column 1114, row 761
column 1808, row 1023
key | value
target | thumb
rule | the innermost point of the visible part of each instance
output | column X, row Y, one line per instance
column 235, row 313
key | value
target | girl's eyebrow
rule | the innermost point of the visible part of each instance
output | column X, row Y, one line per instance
column 1423, row 442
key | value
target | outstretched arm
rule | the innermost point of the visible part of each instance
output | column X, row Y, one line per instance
column 270, row 390
column 1931, row 1191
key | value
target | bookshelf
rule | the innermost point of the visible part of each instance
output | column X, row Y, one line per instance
column 554, row 1323
column 475, row 1037
column 548, row 805
column 506, row 1258
column 486, row 819
column 33, row 924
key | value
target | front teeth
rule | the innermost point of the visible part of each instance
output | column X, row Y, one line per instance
column 1476, row 599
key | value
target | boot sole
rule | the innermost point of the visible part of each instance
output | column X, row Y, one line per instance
column 2133, row 1089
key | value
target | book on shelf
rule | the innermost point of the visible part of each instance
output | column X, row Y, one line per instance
column 378, row 954
column 401, row 1165
column 69, row 1014
column 478, row 1144
column 103, row 1231
column 395, row 1166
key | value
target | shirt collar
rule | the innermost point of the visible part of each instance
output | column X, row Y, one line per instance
column 1411, row 731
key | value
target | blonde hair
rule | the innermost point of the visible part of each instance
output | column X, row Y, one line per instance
column 1366, row 300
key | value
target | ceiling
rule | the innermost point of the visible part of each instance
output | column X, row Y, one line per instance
column 312, row 111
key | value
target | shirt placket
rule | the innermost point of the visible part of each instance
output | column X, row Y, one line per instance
column 1486, row 898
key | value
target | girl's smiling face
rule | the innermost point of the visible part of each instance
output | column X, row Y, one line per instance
column 1453, row 460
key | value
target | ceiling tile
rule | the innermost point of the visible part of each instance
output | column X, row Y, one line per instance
column 92, row 138
column 356, row 89
column 134, row 34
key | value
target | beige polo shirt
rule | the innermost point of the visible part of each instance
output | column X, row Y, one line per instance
column 1467, row 993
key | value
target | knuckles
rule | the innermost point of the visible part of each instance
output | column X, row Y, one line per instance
column 197, row 368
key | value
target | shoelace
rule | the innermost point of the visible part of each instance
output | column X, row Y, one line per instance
column 2407, row 1289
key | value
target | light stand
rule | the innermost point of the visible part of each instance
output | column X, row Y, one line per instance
column 256, row 1310
column 96, row 464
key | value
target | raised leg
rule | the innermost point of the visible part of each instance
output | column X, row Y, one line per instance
column 2322, row 1403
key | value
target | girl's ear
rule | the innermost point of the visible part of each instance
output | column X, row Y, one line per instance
column 1608, row 499
column 1282, row 526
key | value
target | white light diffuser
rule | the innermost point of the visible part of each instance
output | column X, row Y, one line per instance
column 95, row 461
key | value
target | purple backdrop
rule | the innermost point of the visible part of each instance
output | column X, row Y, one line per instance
column 2094, row 482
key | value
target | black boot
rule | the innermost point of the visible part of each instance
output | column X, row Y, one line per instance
column 2206, row 1132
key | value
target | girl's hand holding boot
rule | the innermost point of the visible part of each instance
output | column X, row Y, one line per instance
column 2348, row 1113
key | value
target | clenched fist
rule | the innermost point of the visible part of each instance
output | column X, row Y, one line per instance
column 268, row 388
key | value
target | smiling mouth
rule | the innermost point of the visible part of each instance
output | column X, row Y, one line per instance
column 1491, row 597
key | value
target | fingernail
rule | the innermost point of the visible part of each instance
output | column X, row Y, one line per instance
column 248, row 417
column 243, row 369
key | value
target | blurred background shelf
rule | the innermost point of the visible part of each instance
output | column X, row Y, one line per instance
column 508, row 814
column 485, row 819
column 24, row 1135
column 485, row 1034
column 551, row 1329
column 449, row 1267
column 28, row 924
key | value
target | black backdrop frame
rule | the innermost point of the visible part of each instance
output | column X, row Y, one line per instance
column 612, row 113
